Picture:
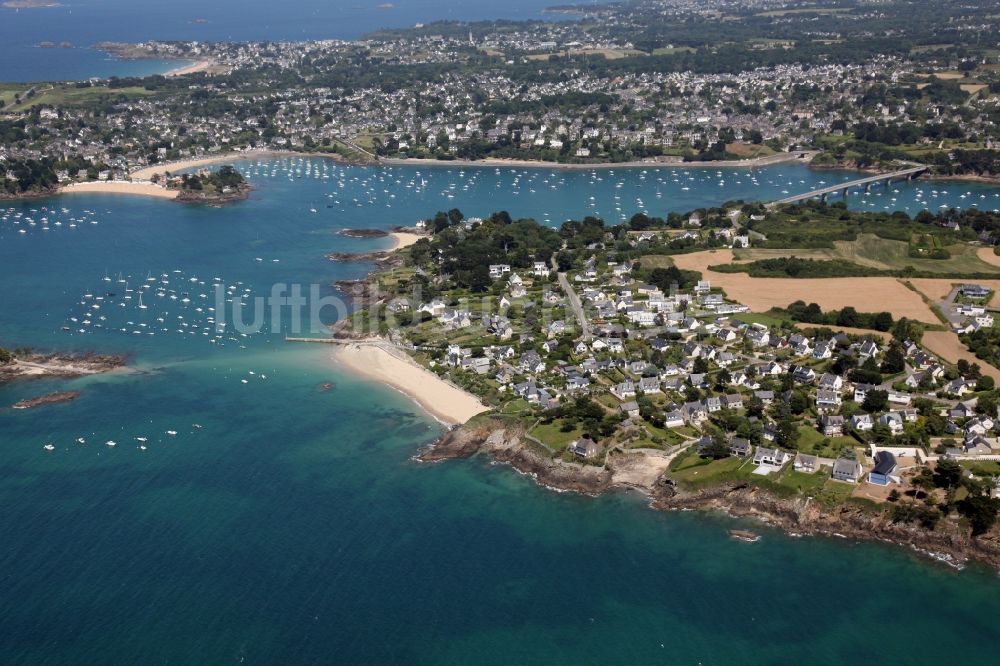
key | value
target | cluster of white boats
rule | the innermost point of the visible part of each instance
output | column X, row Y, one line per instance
column 617, row 193
column 141, row 440
column 167, row 303
column 44, row 218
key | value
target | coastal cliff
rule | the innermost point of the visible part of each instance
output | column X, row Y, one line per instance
column 506, row 444
column 950, row 542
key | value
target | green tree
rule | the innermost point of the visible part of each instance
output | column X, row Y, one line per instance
column 947, row 473
column 788, row 434
column 981, row 512
column 894, row 361
column 875, row 401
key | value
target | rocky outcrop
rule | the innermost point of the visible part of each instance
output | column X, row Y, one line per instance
column 49, row 399
column 506, row 444
column 949, row 542
column 27, row 365
column 363, row 233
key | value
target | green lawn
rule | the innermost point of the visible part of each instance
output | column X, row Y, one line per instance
column 807, row 484
column 834, row 492
column 656, row 261
column 554, row 437
column 983, row 467
column 693, row 471
column 516, row 406
column 809, row 438
column 766, row 318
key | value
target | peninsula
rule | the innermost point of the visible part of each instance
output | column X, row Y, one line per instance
column 626, row 357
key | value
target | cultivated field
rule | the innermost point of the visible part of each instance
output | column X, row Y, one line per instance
column 884, row 254
column 947, row 345
column 987, row 255
column 875, row 294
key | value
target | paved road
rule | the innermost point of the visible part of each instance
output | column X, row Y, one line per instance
column 860, row 182
column 575, row 304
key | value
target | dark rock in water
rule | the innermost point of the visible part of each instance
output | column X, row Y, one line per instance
column 50, row 399
column 357, row 256
column 363, row 233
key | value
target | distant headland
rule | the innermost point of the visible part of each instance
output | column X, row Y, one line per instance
column 31, row 4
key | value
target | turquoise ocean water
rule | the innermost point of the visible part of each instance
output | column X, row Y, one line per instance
column 293, row 527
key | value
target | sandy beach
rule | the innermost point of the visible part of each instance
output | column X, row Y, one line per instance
column 145, row 189
column 401, row 239
column 147, row 173
column 172, row 167
column 193, row 68
column 382, row 362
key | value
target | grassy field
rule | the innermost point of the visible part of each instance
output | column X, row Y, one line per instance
column 656, row 261
column 833, row 492
column 801, row 482
column 609, row 54
column 66, row 95
column 883, row 254
column 817, row 10
column 761, row 318
column 693, row 471
column 748, row 150
column 670, row 50
column 554, row 437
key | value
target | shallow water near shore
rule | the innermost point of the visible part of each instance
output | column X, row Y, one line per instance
column 292, row 526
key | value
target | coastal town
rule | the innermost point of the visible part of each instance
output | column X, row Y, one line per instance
column 565, row 91
column 704, row 343
column 464, row 333
column 600, row 351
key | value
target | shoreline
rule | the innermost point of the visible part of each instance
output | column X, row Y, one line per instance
column 140, row 181
column 647, row 472
column 191, row 68
column 147, row 173
column 781, row 158
column 141, row 188
column 401, row 239
column 377, row 360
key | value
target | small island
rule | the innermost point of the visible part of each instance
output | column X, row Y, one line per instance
column 27, row 364
column 363, row 233
column 205, row 186
column 48, row 399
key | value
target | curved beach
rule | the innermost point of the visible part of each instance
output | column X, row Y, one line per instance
column 146, row 189
column 380, row 361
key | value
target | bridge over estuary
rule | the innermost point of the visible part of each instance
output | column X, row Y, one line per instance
column 866, row 183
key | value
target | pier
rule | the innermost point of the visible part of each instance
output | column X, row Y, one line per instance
column 864, row 183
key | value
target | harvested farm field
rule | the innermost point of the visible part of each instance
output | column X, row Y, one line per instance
column 947, row 345
column 867, row 294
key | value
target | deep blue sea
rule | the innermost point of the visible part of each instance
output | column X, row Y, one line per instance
column 292, row 526
column 87, row 22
